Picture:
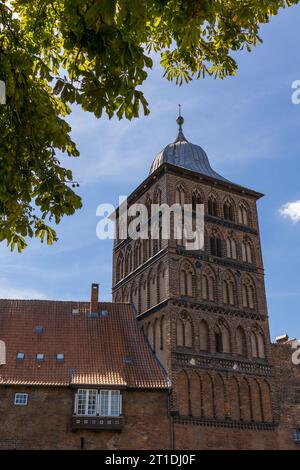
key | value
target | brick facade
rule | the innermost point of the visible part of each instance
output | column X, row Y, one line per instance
column 45, row 423
column 224, row 399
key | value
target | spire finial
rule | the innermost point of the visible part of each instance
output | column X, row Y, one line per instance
column 180, row 121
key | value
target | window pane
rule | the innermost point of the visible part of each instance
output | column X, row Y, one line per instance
column 21, row 398
column 81, row 401
column 92, row 402
column 115, row 403
column 104, row 402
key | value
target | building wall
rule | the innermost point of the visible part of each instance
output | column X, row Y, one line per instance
column 189, row 436
column 45, row 423
column 287, row 377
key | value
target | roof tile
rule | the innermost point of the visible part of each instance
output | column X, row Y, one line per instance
column 95, row 349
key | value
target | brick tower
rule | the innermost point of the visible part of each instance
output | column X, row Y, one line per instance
column 204, row 312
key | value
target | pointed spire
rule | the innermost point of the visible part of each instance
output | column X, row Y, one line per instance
column 180, row 121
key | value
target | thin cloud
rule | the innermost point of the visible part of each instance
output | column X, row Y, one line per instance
column 291, row 210
column 11, row 292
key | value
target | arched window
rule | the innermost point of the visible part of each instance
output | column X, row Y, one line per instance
column 2, row 353
column 241, row 343
column 219, row 396
column 147, row 242
column 180, row 332
column 180, row 196
column 188, row 334
column 204, row 336
column 128, row 261
column 257, row 344
column 157, row 196
column 146, row 247
column 144, row 295
column 226, row 339
column 222, row 339
column 228, row 210
column 160, row 231
column 155, row 235
column 256, row 401
column 212, row 207
column 260, row 345
column 150, row 334
column 196, row 199
column 186, row 280
column 215, row 245
column 254, row 348
column 247, row 251
column 157, row 242
column 184, row 332
column 180, row 199
column 231, row 248
column 120, row 267
column 208, row 285
column 161, row 284
column 243, row 214
column 228, row 286
column 267, row 401
column 218, row 340
column 246, row 411
column 137, row 254
column 248, row 291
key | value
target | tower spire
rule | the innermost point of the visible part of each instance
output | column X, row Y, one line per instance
column 180, row 121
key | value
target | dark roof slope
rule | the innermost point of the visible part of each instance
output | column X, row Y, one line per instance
column 186, row 155
column 106, row 351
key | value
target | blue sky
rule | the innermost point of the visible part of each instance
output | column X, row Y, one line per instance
column 250, row 130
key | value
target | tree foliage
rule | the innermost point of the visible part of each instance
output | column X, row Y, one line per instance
column 96, row 53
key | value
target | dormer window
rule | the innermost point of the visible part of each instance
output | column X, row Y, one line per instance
column 40, row 357
column 60, row 357
column 20, row 356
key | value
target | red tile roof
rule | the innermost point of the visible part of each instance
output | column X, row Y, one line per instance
column 109, row 350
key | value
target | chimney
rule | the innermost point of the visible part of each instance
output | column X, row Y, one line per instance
column 282, row 339
column 94, row 298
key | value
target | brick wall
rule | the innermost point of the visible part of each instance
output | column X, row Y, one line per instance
column 45, row 423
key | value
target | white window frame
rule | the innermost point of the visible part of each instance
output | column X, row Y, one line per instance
column 110, row 392
column 19, row 402
column 87, row 391
column 98, row 402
